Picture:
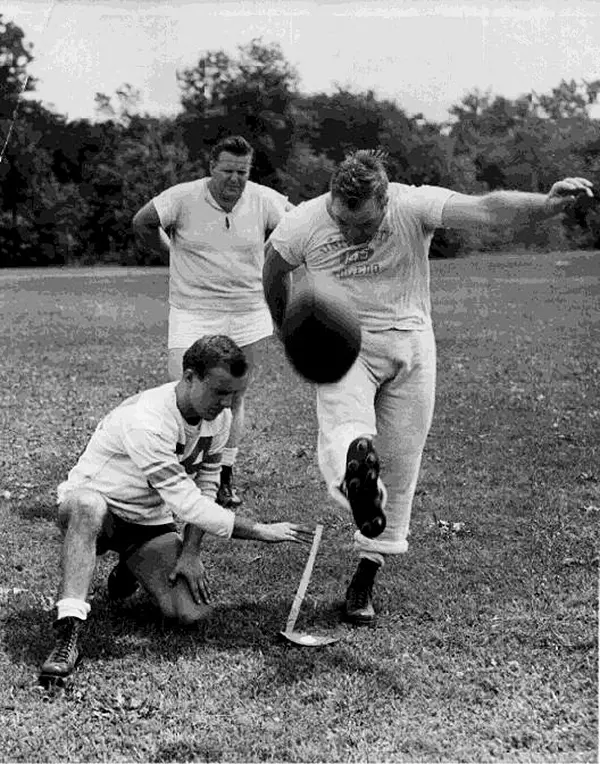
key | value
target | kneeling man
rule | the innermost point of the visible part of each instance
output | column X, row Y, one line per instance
column 157, row 453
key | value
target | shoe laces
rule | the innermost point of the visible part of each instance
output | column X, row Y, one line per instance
column 67, row 642
column 360, row 593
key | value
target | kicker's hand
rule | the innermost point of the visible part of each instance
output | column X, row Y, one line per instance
column 571, row 188
column 192, row 570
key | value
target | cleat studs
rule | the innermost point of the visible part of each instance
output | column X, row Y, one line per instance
column 354, row 484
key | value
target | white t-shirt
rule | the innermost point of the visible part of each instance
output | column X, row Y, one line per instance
column 148, row 462
column 386, row 279
column 216, row 258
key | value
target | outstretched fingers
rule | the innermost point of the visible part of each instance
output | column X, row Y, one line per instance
column 302, row 533
column 574, row 187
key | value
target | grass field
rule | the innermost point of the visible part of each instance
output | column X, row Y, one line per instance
column 486, row 645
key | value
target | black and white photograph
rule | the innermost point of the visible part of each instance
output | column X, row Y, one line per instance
column 300, row 414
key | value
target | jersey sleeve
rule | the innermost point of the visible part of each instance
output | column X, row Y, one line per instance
column 154, row 454
column 167, row 205
column 430, row 202
column 289, row 238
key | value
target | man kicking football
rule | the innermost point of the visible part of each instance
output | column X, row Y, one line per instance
column 372, row 237
column 157, row 453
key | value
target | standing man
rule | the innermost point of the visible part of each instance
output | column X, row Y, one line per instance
column 157, row 453
column 213, row 230
column 373, row 237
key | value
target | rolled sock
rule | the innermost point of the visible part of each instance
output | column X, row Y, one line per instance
column 73, row 607
column 229, row 456
column 392, row 546
column 375, row 557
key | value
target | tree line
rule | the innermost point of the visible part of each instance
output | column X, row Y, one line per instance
column 69, row 188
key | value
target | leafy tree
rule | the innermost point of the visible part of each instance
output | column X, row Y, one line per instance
column 336, row 124
column 69, row 189
column 151, row 157
column 528, row 144
column 251, row 94
column 126, row 108
column 570, row 99
column 15, row 56
column 306, row 174
column 15, row 169
column 31, row 193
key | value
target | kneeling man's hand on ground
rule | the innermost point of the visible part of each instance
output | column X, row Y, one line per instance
column 191, row 568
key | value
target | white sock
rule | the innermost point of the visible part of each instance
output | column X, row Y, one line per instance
column 375, row 557
column 73, row 607
column 229, row 456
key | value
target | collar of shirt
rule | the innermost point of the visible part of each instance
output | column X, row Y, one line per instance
column 216, row 206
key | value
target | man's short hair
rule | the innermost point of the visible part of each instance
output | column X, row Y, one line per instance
column 213, row 351
column 361, row 176
column 233, row 144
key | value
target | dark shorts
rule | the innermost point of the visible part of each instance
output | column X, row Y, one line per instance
column 125, row 538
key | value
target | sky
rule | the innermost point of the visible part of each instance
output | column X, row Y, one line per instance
column 423, row 54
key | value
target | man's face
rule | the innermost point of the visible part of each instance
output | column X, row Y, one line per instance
column 205, row 398
column 229, row 175
column 360, row 224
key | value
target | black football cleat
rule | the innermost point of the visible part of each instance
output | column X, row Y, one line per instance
column 359, row 607
column 227, row 495
column 121, row 583
column 361, row 487
column 65, row 655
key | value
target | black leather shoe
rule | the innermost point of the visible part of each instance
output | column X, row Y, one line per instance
column 65, row 655
column 359, row 595
column 227, row 495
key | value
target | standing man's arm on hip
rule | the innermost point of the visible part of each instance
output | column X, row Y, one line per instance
column 149, row 234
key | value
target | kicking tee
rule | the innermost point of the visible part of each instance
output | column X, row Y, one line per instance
column 149, row 463
column 216, row 257
column 387, row 278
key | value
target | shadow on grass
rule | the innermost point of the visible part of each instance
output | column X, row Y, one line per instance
column 136, row 629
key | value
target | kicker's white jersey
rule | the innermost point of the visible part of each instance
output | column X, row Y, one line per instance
column 149, row 463
column 387, row 278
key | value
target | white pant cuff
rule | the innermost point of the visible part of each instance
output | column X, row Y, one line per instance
column 373, row 556
column 385, row 547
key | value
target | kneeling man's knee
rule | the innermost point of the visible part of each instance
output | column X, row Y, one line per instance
column 153, row 564
column 84, row 508
column 179, row 605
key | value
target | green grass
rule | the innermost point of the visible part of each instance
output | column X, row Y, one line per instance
column 486, row 645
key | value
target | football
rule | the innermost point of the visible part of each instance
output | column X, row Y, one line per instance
column 320, row 332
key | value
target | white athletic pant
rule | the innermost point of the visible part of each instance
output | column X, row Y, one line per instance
column 388, row 394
